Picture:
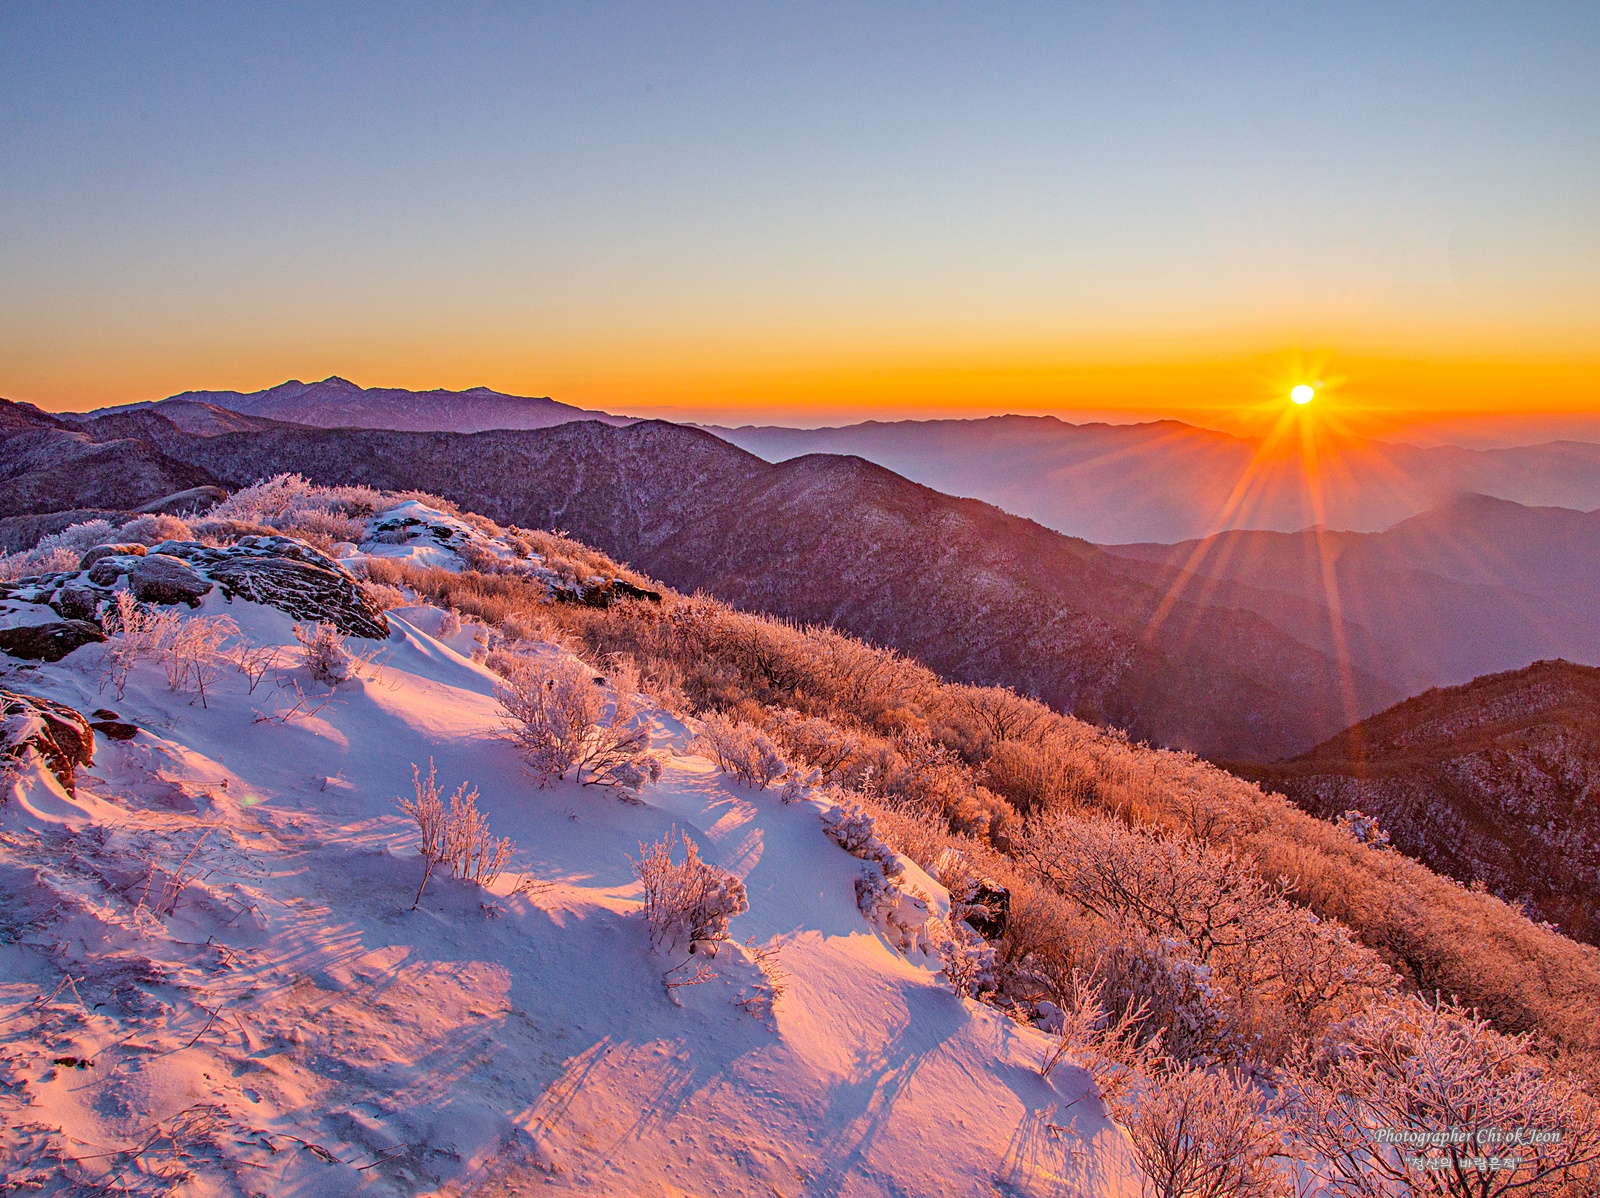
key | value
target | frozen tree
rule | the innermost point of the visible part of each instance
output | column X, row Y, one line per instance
column 1426, row 1098
column 1202, row 1135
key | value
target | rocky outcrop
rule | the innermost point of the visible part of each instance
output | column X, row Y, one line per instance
column 94, row 555
column 276, row 571
column 599, row 595
column 289, row 575
column 49, row 642
column 162, row 578
column 61, row 735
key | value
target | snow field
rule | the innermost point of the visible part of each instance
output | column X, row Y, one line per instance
column 264, row 1014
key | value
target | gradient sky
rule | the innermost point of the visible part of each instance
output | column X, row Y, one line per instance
column 807, row 212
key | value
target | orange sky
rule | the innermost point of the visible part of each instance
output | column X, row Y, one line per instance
column 811, row 214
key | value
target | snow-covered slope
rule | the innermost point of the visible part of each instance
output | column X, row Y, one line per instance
column 212, row 980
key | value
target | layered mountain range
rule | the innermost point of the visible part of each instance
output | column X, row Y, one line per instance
column 1249, row 645
column 980, row 595
column 1169, row 481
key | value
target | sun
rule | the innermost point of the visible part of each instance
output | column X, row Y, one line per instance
column 1303, row 394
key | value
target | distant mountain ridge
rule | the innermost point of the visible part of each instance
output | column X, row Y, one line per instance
column 980, row 595
column 1475, row 586
column 1168, row 481
column 338, row 403
column 1497, row 781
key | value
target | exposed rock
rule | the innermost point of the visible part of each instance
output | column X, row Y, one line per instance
column 76, row 603
column 61, row 735
column 289, row 575
column 107, row 570
column 986, row 907
column 132, row 549
column 602, row 595
column 48, row 642
column 161, row 578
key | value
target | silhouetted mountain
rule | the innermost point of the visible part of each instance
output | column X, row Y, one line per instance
column 1497, row 781
column 339, row 403
column 1169, row 481
column 1474, row 586
column 980, row 595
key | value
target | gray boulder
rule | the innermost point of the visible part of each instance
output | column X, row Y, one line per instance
column 100, row 552
column 159, row 578
column 107, row 570
column 48, row 642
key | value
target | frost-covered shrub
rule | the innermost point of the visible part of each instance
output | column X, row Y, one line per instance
column 903, row 914
column 36, row 561
column 325, row 652
column 688, row 901
column 80, row 537
column 192, row 652
column 384, row 597
column 1202, row 1135
column 321, row 528
column 549, row 708
column 741, row 749
column 456, row 836
column 153, row 529
column 852, row 829
column 1425, row 1070
column 134, row 633
column 214, row 531
column 1363, row 829
column 553, row 711
column 969, row 960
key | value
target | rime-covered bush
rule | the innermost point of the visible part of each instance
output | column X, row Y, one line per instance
column 456, row 836
column 36, row 561
column 1199, row 1134
column 384, row 597
column 854, row 830
column 741, row 749
column 153, row 529
column 287, row 503
column 189, row 648
column 549, row 709
column 903, row 914
column 1395, row 1082
column 325, row 652
column 969, row 960
column 1363, row 829
column 686, row 901
column 555, row 711
column 80, row 537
